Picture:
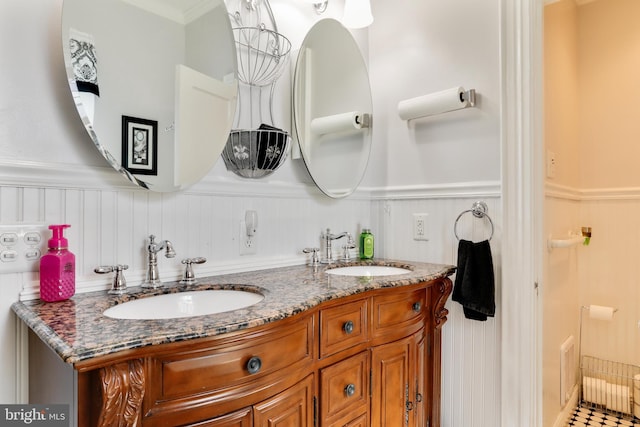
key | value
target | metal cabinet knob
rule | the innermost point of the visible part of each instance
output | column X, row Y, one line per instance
column 417, row 307
column 348, row 327
column 254, row 364
column 350, row 390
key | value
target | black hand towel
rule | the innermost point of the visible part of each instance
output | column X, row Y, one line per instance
column 474, row 287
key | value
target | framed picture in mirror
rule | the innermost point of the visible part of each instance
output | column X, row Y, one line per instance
column 140, row 145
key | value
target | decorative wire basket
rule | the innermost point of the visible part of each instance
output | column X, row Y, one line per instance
column 255, row 153
column 262, row 54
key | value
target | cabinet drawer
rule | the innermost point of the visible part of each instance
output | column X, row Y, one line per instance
column 241, row 418
column 252, row 357
column 344, row 388
column 342, row 327
column 396, row 312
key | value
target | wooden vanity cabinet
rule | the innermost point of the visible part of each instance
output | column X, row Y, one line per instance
column 368, row 360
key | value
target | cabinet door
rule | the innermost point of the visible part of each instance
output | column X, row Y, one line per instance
column 344, row 390
column 291, row 408
column 390, row 383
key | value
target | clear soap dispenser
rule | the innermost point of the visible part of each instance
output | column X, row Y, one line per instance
column 57, row 268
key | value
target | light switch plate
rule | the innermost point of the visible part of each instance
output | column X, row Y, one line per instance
column 21, row 246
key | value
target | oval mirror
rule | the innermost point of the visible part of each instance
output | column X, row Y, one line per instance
column 332, row 108
column 154, row 83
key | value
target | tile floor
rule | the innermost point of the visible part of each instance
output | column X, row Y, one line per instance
column 585, row 417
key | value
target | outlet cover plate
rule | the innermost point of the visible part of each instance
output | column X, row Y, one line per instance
column 420, row 226
column 248, row 244
column 21, row 246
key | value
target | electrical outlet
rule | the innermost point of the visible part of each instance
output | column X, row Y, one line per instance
column 420, row 231
column 21, row 246
column 248, row 244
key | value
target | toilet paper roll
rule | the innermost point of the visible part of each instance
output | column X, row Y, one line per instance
column 618, row 398
column 434, row 103
column 337, row 123
column 594, row 390
column 600, row 312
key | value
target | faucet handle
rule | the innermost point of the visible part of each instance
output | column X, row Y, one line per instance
column 119, row 284
column 351, row 244
column 189, row 278
column 315, row 260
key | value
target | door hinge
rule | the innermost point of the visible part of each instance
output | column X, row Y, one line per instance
column 315, row 411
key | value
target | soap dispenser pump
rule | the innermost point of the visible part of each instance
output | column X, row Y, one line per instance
column 57, row 268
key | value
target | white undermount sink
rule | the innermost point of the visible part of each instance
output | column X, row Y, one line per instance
column 368, row 270
column 184, row 304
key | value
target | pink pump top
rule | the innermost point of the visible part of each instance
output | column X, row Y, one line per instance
column 58, row 241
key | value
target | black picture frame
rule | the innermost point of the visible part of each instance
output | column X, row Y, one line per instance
column 140, row 145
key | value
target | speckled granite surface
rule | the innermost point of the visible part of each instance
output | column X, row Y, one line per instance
column 77, row 330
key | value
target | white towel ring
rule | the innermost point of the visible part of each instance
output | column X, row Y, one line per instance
column 479, row 210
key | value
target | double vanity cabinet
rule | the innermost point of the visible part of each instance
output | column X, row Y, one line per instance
column 336, row 351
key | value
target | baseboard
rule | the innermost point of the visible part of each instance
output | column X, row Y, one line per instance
column 572, row 403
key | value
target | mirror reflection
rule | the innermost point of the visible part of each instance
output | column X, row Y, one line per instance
column 332, row 108
column 154, row 83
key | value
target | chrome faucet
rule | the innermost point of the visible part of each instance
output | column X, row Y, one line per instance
column 328, row 238
column 153, row 276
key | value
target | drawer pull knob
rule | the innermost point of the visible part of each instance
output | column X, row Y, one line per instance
column 418, row 397
column 348, row 327
column 409, row 406
column 350, row 390
column 417, row 307
column 254, row 364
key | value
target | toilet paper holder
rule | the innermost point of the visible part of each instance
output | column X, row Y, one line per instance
column 600, row 312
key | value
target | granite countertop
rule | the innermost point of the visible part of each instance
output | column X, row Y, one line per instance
column 76, row 329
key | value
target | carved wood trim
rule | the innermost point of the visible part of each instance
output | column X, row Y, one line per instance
column 122, row 392
column 443, row 289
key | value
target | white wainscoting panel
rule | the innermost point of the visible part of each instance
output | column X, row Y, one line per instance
column 111, row 226
column 471, row 349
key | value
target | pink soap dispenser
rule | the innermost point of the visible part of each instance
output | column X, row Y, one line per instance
column 57, row 268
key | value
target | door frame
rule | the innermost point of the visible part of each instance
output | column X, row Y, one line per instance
column 522, row 204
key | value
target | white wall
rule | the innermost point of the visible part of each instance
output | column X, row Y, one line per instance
column 437, row 165
column 440, row 165
column 423, row 47
column 561, row 281
column 591, row 64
